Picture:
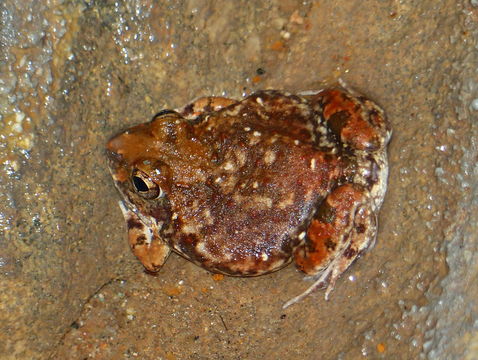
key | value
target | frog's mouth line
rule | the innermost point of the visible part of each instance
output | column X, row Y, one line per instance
column 147, row 221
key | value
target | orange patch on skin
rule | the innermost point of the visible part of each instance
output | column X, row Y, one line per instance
column 357, row 130
column 335, row 102
column 381, row 348
column 361, row 131
column 344, row 196
column 152, row 256
column 318, row 233
column 321, row 234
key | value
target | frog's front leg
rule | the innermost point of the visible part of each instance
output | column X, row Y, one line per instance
column 144, row 242
column 342, row 228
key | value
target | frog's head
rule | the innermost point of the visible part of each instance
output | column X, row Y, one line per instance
column 139, row 163
column 150, row 160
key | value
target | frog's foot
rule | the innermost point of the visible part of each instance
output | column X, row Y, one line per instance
column 144, row 242
column 343, row 227
column 205, row 105
column 357, row 121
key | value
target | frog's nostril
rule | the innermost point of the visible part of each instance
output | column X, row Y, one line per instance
column 112, row 145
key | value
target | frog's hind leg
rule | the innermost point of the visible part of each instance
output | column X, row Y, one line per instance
column 355, row 120
column 343, row 227
column 144, row 241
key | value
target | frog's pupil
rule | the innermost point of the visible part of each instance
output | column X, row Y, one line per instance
column 139, row 184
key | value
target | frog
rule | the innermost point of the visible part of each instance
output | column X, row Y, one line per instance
column 245, row 187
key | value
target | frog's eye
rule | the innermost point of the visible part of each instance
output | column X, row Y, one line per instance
column 144, row 186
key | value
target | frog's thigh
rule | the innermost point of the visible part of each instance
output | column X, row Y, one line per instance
column 343, row 227
column 205, row 104
column 144, row 243
column 357, row 121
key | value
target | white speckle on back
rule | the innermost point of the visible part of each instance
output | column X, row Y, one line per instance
column 189, row 228
column 263, row 201
column 313, row 162
column 232, row 112
column 207, row 217
column 256, row 133
column 229, row 183
column 201, row 248
column 301, row 235
column 269, row 157
column 228, row 166
column 254, row 140
column 241, row 157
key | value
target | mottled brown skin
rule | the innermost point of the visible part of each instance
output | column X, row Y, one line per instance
column 242, row 188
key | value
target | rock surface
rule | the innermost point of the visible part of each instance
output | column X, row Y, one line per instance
column 72, row 74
